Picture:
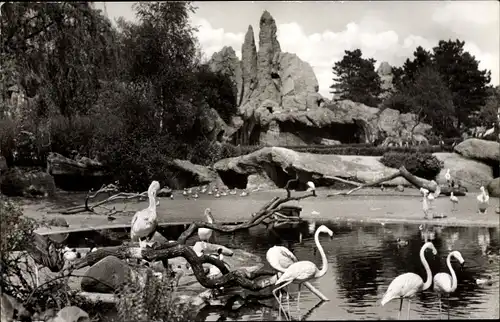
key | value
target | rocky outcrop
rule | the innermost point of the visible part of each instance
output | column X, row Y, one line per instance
column 280, row 103
column 481, row 150
column 386, row 76
column 189, row 174
column 469, row 173
column 280, row 165
column 32, row 183
column 105, row 276
column 494, row 188
column 225, row 61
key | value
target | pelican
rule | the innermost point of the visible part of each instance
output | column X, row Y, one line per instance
column 310, row 186
column 145, row 221
column 454, row 201
column 444, row 283
column 217, row 194
column 232, row 192
column 244, row 193
column 304, row 271
column 203, row 189
column 483, row 201
column 205, row 233
column 447, row 176
column 70, row 254
column 185, row 192
column 408, row 284
column 195, row 195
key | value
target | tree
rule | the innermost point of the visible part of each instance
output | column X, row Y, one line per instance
column 406, row 74
column 356, row 79
column 429, row 99
column 460, row 71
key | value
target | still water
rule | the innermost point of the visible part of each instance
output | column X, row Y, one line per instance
column 363, row 260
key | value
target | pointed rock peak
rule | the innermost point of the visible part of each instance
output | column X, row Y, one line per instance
column 228, row 50
column 249, row 36
column 384, row 68
column 266, row 17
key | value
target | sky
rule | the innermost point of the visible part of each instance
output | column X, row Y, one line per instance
column 320, row 31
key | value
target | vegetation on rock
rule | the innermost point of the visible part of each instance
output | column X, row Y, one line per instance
column 420, row 164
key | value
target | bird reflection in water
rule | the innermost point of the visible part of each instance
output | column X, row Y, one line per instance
column 427, row 233
column 483, row 239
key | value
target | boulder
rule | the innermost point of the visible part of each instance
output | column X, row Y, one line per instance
column 469, row 173
column 493, row 188
column 386, row 76
column 71, row 314
column 190, row 175
column 11, row 309
column 27, row 183
column 225, row 61
column 281, row 164
column 481, row 150
column 260, row 181
column 105, row 276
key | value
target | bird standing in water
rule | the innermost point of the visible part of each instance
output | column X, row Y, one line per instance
column 446, row 283
column 454, row 201
column 205, row 233
column 483, row 201
column 145, row 221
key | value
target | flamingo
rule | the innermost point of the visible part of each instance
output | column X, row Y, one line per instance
column 145, row 221
column 304, row 271
column 447, row 176
column 433, row 195
column 454, row 201
column 425, row 203
column 444, row 283
column 408, row 284
column 483, row 201
column 205, row 233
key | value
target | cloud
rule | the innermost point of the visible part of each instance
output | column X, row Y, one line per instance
column 322, row 50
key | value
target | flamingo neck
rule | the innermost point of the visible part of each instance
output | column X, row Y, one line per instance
column 152, row 201
column 428, row 282
column 454, row 281
column 324, row 262
column 209, row 219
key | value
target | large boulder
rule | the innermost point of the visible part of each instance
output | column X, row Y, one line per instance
column 27, row 183
column 482, row 150
column 225, row 61
column 469, row 173
column 105, row 276
column 281, row 164
column 190, row 175
column 494, row 188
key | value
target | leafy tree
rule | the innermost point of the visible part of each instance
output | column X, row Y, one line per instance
column 407, row 73
column 429, row 99
column 218, row 91
column 356, row 79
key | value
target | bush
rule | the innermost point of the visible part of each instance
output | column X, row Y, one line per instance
column 423, row 165
column 71, row 134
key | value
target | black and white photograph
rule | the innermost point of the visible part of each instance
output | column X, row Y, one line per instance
column 174, row 161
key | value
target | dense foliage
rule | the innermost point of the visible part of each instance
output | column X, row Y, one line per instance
column 356, row 79
column 421, row 164
column 133, row 96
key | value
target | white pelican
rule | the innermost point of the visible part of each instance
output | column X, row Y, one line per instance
column 205, row 233
column 244, row 193
column 172, row 196
column 304, row 271
column 203, row 189
column 483, row 200
column 454, row 201
column 145, row 221
column 217, row 194
column 447, row 176
column 408, row 284
column 185, row 192
column 310, row 186
column 444, row 283
column 70, row 254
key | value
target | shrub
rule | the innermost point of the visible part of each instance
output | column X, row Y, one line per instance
column 71, row 134
column 423, row 165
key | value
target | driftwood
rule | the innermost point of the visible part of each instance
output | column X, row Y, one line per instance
column 402, row 172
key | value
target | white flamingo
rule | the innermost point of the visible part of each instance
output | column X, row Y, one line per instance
column 447, row 176
column 304, row 271
column 483, row 200
column 454, row 201
column 205, row 233
column 408, row 284
column 145, row 221
column 444, row 283
column 425, row 202
column 433, row 195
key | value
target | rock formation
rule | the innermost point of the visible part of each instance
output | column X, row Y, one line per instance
column 280, row 105
column 385, row 73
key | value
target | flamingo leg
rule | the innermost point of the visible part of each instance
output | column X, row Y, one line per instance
column 288, row 302
column 448, row 306
column 298, row 299
column 400, row 307
column 440, row 307
column 276, row 297
column 409, row 304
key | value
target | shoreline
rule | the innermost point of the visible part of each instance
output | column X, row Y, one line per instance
column 369, row 206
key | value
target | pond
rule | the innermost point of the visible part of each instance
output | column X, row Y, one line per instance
column 362, row 261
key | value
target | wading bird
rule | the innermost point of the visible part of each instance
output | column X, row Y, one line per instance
column 145, row 221
column 205, row 233
column 447, row 176
column 406, row 285
column 483, row 201
column 444, row 283
column 484, row 281
column 304, row 271
column 425, row 202
column 454, row 201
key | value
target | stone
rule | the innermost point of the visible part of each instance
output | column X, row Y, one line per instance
column 11, row 309
column 260, row 181
column 248, row 65
column 226, row 62
column 481, row 150
column 57, row 222
column 105, row 276
column 27, row 183
column 71, row 314
column 213, row 126
column 275, row 160
column 469, row 173
column 58, row 164
column 493, row 188
column 386, row 76
column 190, row 175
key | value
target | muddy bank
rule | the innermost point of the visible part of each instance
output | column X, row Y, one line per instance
column 366, row 205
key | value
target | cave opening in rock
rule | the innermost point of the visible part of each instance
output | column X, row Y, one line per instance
column 233, row 179
column 342, row 132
